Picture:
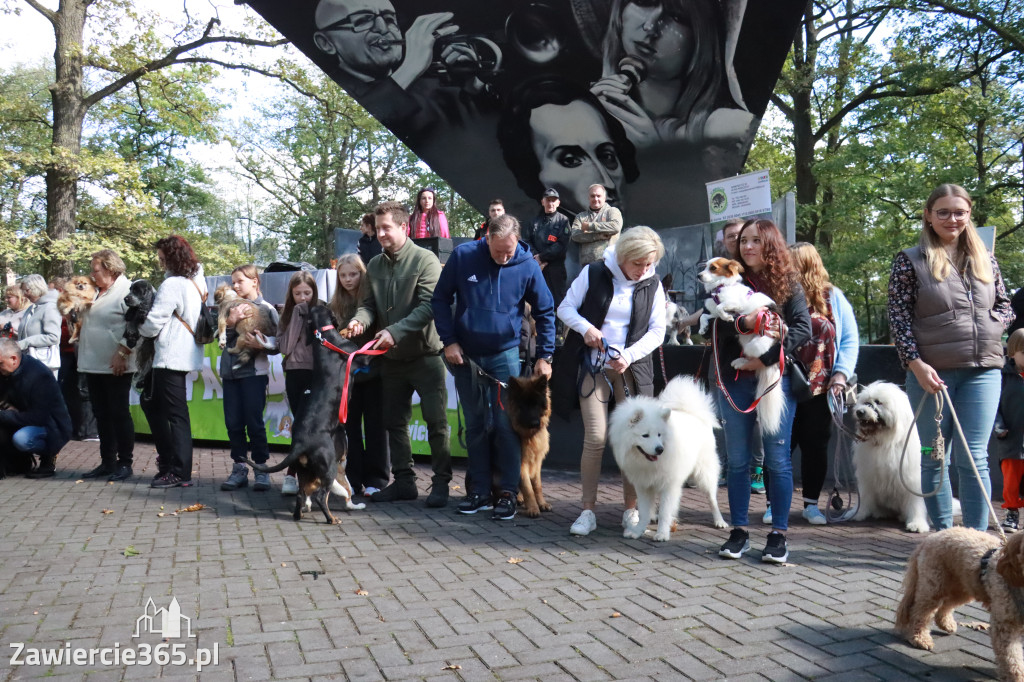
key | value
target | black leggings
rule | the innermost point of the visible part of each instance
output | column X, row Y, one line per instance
column 812, row 428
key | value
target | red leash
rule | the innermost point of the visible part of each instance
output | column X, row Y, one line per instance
column 365, row 350
column 764, row 319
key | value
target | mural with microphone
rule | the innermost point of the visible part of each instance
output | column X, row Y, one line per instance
column 505, row 98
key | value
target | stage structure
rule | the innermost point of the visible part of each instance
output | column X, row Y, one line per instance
column 503, row 98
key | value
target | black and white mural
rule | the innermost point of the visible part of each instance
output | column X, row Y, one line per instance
column 651, row 98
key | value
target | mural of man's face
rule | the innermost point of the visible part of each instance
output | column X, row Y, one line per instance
column 575, row 151
column 363, row 34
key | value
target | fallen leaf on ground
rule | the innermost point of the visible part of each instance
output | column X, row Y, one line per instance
column 79, row 481
column 131, row 551
column 976, row 625
column 108, row 511
column 191, row 508
column 283, row 565
column 362, row 593
column 515, row 560
column 616, row 615
column 452, row 666
column 456, row 487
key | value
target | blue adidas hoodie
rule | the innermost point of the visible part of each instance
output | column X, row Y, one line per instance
column 489, row 301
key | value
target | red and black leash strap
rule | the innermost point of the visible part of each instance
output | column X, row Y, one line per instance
column 764, row 318
column 365, row 350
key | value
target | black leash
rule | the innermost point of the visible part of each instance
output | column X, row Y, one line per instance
column 593, row 367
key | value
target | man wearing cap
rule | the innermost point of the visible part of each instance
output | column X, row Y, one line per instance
column 548, row 238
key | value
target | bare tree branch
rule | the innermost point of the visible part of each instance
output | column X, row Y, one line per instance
column 50, row 15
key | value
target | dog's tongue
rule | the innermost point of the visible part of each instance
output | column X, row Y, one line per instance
column 651, row 458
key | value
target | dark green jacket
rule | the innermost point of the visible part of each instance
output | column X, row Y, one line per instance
column 398, row 300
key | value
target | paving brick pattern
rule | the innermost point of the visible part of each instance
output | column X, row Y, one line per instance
column 408, row 593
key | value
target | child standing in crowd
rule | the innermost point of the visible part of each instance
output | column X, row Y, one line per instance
column 367, row 467
column 245, row 386
column 298, row 355
column 1009, row 431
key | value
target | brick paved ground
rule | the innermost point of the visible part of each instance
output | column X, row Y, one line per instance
column 407, row 591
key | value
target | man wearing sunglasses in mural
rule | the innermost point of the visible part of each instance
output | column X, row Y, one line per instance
column 379, row 65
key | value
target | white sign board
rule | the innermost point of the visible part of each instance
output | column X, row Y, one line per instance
column 741, row 196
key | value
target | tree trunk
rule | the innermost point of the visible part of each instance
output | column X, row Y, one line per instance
column 68, row 119
column 804, row 55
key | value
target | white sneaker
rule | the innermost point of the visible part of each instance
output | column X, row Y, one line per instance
column 630, row 518
column 586, row 523
column 370, row 490
column 814, row 516
column 290, row 486
column 767, row 518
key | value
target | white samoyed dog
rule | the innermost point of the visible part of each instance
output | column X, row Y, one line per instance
column 659, row 444
column 884, row 415
column 727, row 298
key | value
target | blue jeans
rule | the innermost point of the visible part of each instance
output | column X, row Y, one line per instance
column 975, row 396
column 244, row 402
column 483, row 404
column 29, row 438
column 738, row 446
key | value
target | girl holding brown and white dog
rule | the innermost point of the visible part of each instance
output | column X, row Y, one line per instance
column 245, row 386
column 767, row 269
column 948, row 308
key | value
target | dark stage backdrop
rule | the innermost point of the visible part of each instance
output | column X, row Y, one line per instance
column 502, row 98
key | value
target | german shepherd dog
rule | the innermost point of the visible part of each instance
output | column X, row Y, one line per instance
column 529, row 411
column 319, row 444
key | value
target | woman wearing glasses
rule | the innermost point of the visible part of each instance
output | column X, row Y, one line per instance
column 947, row 311
column 616, row 311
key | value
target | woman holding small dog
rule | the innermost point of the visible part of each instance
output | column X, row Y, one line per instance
column 812, row 425
column 768, row 269
column 40, row 328
column 948, row 308
column 367, row 460
column 615, row 310
column 245, row 385
column 108, row 365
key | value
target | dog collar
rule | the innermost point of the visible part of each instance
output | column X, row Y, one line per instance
column 985, row 561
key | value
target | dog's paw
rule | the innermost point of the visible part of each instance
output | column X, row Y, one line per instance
column 544, row 507
column 634, row 533
column 354, row 506
column 335, row 521
column 719, row 523
column 922, row 640
column 946, row 623
column 739, row 363
column 662, row 536
column 532, row 511
column 918, row 527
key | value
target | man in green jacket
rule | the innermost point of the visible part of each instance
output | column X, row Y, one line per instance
column 401, row 284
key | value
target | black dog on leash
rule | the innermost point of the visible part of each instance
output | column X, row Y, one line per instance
column 319, row 444
column 139, row 300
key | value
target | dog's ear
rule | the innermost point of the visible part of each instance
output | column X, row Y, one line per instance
column 737, row 267
column 1011, row 564
column 638, row 415
column 666, row 412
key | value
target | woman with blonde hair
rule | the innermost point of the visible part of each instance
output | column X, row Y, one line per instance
column 615, row 310
column 17, row 304
column 367, row 466
column 948, row 308
column 833, row 361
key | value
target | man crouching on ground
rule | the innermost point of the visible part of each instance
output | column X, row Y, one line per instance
column 35, row 418
column 490, row 281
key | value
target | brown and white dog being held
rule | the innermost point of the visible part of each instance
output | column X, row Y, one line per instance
column 76, row 297
column 960, row 565
column 529, row 411
column 319, row 444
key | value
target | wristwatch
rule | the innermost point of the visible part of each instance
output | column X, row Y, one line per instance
column 124, row 354
column 546, row 359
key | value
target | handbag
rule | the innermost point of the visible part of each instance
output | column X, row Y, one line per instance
column 48, row 355
column 799, row 383
column 206, row 325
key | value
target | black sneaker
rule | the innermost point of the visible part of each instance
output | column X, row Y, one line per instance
column 505, row 509
column 398, row 490
column 438, row 496
column 170, row 480
column 736, row 545
column 775, row 551
column 1011, row 522
column 123, row 473
column 474, row 503
column 102, row 471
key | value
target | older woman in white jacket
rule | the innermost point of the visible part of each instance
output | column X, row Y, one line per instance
column 40, row 328
column 618, row 304
column 178, row 303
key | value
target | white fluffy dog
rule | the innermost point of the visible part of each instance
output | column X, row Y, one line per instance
column 660, row 443
column 884, row 416
column 727, row 298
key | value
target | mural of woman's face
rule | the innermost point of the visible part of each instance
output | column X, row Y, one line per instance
column 575, row 151
column 657, row 35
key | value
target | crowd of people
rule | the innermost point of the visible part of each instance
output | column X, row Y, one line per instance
column 948, row 310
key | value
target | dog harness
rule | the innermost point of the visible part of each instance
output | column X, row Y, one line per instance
column 764, row 319
column 716, row 293
column 365, row 350
column 985, row 561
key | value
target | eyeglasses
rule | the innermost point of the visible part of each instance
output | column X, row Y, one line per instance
column 363, row 21
column 946, row 214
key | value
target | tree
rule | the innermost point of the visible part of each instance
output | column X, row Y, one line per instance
column 128, row 51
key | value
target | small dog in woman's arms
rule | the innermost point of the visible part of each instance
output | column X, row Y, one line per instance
column 659, row 444
column 884, row 417
column 957, row 566
column 74, row 300
column 139, row 302
column 729, row 297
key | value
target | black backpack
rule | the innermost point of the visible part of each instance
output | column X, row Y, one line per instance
column 206, row 325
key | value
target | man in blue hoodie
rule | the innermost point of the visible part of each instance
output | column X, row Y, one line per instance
column 490, row 281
